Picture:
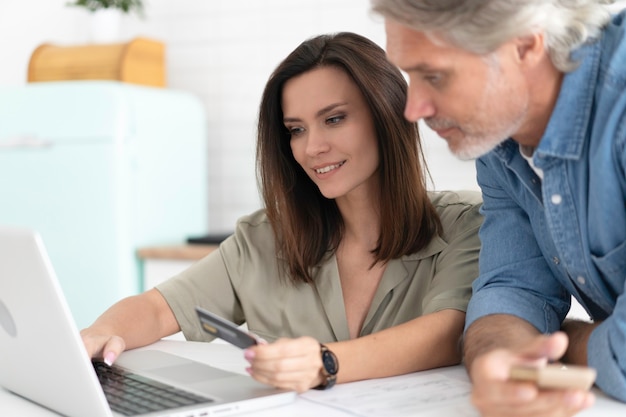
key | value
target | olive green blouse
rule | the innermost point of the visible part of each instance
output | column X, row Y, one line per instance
column 241, row 282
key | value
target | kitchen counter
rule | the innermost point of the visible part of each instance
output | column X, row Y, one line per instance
column 181, row 252
column 162, row 262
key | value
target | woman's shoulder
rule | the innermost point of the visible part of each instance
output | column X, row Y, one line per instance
column 456, row 207
column 251, row 231
column 254, row 219
column 459, row 198
column 252, row 245
column 254, row 226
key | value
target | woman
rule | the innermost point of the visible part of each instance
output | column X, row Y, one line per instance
column 350, row 250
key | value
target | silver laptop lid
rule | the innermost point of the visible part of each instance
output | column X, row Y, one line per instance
column 42, row 356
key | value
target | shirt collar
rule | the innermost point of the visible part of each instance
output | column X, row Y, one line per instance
column 565, row 134
column 566, row 131
column 328, row 285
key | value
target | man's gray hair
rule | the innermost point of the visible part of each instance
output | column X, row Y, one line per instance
column 481, row 26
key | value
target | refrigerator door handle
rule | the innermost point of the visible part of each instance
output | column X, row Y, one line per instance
column 24, row 141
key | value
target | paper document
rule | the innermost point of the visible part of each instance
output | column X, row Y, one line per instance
column 418, row 394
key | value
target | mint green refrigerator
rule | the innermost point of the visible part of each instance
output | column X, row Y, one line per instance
column 100, row 169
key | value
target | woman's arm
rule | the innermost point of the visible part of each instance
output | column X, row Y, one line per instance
column 426, row 342
column 132, row 322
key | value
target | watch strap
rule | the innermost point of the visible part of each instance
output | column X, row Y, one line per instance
column 330, row 367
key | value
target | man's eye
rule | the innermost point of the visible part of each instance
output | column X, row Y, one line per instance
column 433, row 79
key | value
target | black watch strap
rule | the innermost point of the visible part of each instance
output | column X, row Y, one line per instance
column 330, row 367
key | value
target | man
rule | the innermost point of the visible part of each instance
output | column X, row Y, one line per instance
column 536, row 90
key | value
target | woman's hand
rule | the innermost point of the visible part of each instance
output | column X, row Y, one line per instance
column 101, row 345
column 294, row 364
column 132, row 322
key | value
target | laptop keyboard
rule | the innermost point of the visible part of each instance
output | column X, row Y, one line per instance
column 131, row 394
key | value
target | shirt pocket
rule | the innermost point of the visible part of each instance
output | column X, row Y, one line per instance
column 613, row 264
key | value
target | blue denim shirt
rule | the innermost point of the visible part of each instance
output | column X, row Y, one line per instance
column 544, row 240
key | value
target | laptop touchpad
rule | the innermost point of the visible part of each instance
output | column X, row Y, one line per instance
column 172, row 367
column 193, row 372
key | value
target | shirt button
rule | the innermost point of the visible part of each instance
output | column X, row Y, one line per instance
column 581, row 280
column 556, row 198
column 556, row 260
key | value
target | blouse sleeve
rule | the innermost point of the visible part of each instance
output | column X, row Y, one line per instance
column 456, row 265
column 207, row 284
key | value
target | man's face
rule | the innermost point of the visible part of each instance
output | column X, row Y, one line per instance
column 472, row 101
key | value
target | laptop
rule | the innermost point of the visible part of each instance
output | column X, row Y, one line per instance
column 42, row 357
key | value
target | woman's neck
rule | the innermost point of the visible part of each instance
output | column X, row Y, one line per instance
column 361, row 220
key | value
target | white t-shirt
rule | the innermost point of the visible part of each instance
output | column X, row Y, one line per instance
column 527, row 153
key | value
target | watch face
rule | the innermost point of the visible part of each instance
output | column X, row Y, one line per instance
column 330, row 362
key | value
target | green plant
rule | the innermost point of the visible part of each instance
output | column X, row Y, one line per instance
column 126, row 6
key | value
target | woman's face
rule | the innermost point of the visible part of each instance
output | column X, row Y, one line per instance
column 332, row 131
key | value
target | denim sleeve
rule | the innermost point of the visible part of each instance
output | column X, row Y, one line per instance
column 606, row 353
column 605, row 349
column 514, row 276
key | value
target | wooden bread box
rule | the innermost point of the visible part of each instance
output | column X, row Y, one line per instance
column 139, row 61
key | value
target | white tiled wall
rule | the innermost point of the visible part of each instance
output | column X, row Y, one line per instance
column 222, row 51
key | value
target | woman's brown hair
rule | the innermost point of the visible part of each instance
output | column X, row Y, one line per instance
column 306, row 224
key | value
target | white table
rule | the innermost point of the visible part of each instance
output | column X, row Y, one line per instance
column 227, row 357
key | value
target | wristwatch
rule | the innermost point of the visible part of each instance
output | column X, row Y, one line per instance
column 330, row 366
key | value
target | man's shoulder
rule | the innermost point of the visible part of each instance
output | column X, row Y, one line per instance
column 613, row 44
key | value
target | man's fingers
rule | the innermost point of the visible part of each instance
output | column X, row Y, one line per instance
column 549, row 347
column 494, row 394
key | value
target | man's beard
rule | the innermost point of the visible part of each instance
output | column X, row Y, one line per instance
column 482, row 136
column 477, row 136
column 474, row 145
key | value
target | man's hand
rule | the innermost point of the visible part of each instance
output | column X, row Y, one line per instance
column 494, row 394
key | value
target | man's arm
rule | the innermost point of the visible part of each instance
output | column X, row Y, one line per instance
column 496, row 343
column 497, row 331
column 578, row 333
column 504, row 331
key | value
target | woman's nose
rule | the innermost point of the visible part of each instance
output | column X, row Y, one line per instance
column 316, row 142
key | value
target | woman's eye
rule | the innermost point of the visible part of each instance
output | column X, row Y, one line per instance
column 295, row 131
column 335, row 119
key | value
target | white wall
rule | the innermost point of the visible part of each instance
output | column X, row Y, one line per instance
column 222, row 51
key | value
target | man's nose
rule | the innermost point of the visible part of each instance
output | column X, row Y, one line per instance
column 419, row 104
